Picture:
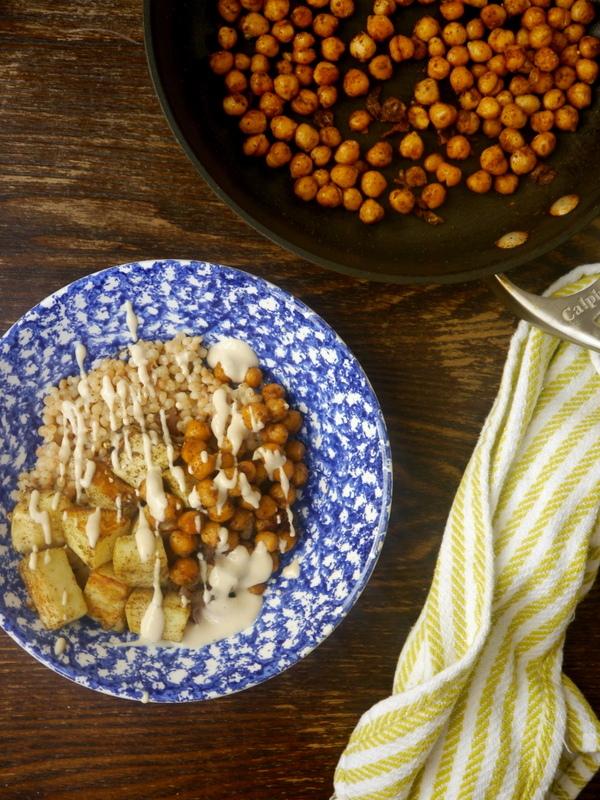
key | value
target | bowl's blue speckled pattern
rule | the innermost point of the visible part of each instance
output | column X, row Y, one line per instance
column 344, row 508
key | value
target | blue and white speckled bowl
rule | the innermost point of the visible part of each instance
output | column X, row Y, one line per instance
column 344, row 509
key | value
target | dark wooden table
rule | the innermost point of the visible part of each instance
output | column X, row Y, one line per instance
column 90, row 177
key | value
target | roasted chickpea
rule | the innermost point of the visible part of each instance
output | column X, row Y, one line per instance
column 379, row 28
column 332, row 48
column 306, row 102
column 506, row 183
column 373, row 183
column 355, row 83
column 227, row 37
column 271, row 105
column 381, row 68
column 371, row 212
column 540, row 36
column 533, row 16
column 235, row 105
column 184, row 571
column 566, row 118
column 306, row 137
column 438, row 68
column 497, row 65
column 267, row 45
column 493, row 16
column 412, row 147
column 342, row 8
column 523, row 160
column 514, row 58
column 320, row 155
column 433, row 195
column 513, row 116
column 554, row 99
column 284, row 67
column 182, row 544
column 229, row 9
column 380, row 155
column 236, row 82
column 348, row 152
column 528, row 103
column 479, row 51
column 546, row 59
column 469, row 100
column 436, row 47
column 286, row 86
column 427, row 92
column 260, row 83
column 475, row 29
column 402, row 200
column 458, row 56
column 279, row 155
column 505, row 97
column 254, row 25
column 583, row 11
column 448, row 174
column 221, row 62
column 454, row 34
column 321, row 176
column 580, row 94
column 574, row 32
column 360, row 120
column 330, row 136
column 461, row 79
column 511, row 140
column 283, row 31
column 325, row 73
column 253, row 122
column 283, row 128
column 433, row 161
column 442, row 115
column 329, row 196
column 352, row 199
column 544, row 144
column 492, row 128
column 301, row 17
column 426, row 28
column 500, row 39
column 458, row 148
column 306, row 188
column 401, row 48
column 304, row 57
column 542, row 121
column 514, row 7
column 493, row 160
column 587, row 70
column 480, row 181
column 418, row 117
column 386, row 7
column 325, row 25
column 415, row 176
column 344, row 176
column 452, row 9
column 487, row 84
column 589, row 47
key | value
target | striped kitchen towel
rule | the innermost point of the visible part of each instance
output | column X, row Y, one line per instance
column 480, row 707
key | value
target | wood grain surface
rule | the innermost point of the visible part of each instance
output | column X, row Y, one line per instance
column 90, row 177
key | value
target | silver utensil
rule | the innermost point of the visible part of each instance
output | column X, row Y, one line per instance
column 575, row 317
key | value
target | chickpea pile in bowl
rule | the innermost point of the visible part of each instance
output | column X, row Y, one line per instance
column 514, row 75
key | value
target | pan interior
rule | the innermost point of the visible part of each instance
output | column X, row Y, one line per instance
column 181, row 35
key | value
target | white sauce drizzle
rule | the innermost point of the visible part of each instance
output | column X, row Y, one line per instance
column 153, row 621
column 155, row 493
column 59, row 645
column 273, row 461
column 122, row 391
column 109, row 396
column 41, row 517
column 55, row 501
column 224, row 615
column 47, row 557
column 139, row 359
column 219, row 420
column 90, row 469
column 292, row 570
column 80, row 354
column 92, row 528
column 64, row 598
column 145, row 698
column 33, row 558
column 183, row 360
column 176, row 472
column 132, row 320
column 144, row 538
column 75, row 418
column 119, row 505
column 235, row 356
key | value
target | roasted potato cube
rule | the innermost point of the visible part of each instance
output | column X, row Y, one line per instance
column 76, row 522
column 106, row 487
column 130, row 568
column 52, row 587
column 106, row 596
column 176, row 613
column 133, row 470
column 171, row 481
column 25, row 533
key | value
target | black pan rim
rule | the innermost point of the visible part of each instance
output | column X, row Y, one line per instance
column 365, row 275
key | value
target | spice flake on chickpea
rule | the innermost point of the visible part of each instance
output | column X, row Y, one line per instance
column 521, row 72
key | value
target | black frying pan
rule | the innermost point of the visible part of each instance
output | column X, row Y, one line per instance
column 181, row 34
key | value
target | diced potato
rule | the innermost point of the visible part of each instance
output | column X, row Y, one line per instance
column 25, row 533
column 111, row 528
column 172, row 483
column 106, row 596
column 130, row 568
column 133, row 470
column 176, row 614
column 52, row 587
column 106, row 487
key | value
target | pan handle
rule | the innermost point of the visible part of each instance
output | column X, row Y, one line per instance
column 575, row 317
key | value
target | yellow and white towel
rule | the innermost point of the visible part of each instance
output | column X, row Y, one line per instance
column 480, row 708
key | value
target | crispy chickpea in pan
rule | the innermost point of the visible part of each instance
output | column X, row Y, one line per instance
column 520, row 70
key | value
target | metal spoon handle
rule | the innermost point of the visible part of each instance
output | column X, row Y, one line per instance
column 575, row 317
